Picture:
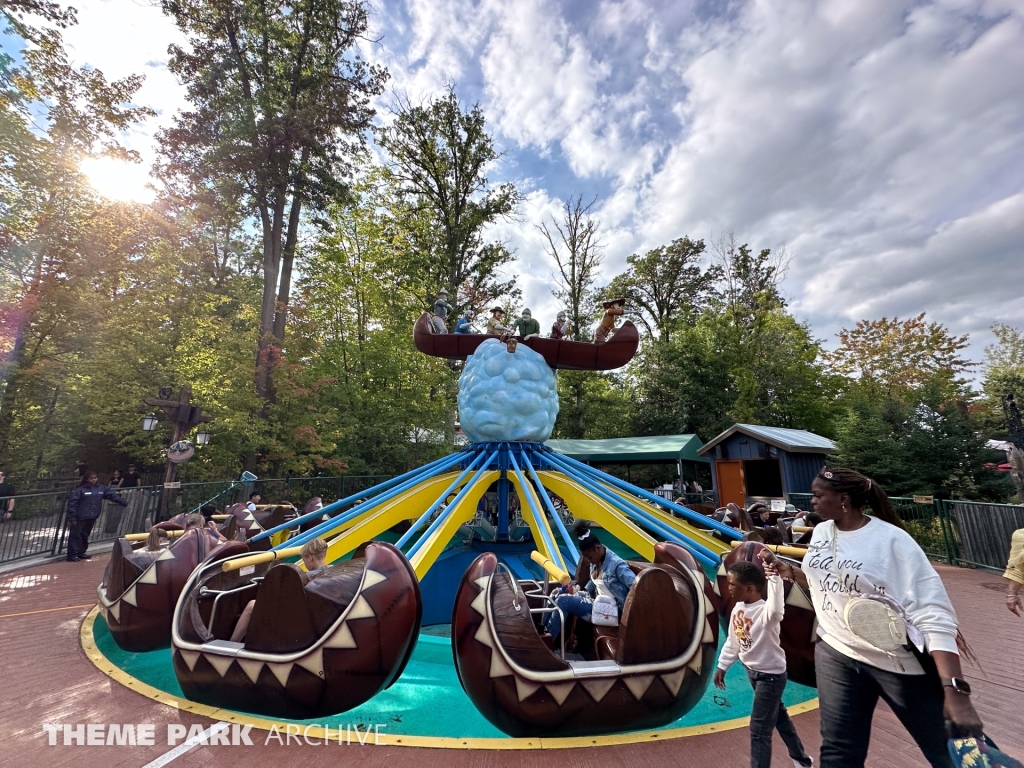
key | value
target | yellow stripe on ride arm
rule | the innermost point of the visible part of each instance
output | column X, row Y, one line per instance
column 537, row 526
column 406, row 506
column 796, row 552
column 463, row 512
column 685, row 529
column 585, row 505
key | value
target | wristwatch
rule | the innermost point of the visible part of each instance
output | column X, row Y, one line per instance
column 958, row 684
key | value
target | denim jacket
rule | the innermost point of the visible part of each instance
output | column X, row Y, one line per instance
column 617, row 577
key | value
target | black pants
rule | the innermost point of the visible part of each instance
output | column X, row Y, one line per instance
column 78, row 537
column 767, row 715
column 848, row 691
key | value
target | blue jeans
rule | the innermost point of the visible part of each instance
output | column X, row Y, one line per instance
column 571, row 605
column 767, row 715
column 848, row 691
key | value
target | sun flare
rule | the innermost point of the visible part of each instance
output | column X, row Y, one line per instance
column 118, row 180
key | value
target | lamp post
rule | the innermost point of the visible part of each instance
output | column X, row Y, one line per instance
column 184, row 416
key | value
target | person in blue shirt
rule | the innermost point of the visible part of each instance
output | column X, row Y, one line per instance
column 602, row 564
column 84, row 507
column 465, row 323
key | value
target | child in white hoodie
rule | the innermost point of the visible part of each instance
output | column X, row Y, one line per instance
column 754, row 639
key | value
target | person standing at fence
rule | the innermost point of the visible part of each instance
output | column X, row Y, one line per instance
column 1014, row 573
column 84, row 507
column 852, row 558
column 7, row 494
column 115, row 479
column 131, row 478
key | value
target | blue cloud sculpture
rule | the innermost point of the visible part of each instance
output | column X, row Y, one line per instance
column 507, row 396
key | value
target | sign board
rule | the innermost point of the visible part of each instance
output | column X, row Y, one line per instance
column 778, row 505
column 924, row 499
column 172, row 486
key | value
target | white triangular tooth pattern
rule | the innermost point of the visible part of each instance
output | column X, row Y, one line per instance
column 721, row 569
column 482, row 581
column 695, row 662
column 148, row 576
column 372, row 579
column 360, row 610
column 483, row 634
column 190, row 658
column 221, row 663
column 638, row 685
column 498, row 666
column 560, row 691
column 479, row 603
column 798, row 598
column 598, row 686
column 524, row 688
column 251, row 667
column 129, row 597
column 115, row 610
column 675, row 679
column 342, row 638
column 709, row 636
column 165, row 555
column 313, row 662
column 281, row 672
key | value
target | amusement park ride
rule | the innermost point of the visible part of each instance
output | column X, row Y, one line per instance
column 484, row 541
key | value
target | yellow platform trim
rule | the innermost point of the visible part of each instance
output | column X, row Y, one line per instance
column 102, row 663
column 537, row 526
column 685, row 529
column 463, row 512
column 588, row 506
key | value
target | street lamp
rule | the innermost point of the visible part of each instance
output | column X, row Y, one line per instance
column 184, row 417
column 202, row 438
column 149, row 423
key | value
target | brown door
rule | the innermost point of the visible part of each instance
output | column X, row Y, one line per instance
column 730, row 483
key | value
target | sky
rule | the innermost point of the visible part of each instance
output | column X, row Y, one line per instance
column 882, row 141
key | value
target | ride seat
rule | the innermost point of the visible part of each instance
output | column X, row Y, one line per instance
column 281, row 620
column 606, row 642
column 657, row 620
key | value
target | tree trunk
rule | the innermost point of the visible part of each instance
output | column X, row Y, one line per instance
column 267, row 350
column 1016, row 457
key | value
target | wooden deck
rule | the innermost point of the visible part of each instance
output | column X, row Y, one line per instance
column 46, row 678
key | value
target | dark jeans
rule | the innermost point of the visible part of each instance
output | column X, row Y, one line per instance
column 848, row 691
column 78, row 537
column 767, row 715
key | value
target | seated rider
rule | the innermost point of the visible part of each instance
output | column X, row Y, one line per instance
column 604, row 565
column 526, row 326
column 438, row 322
column 314, row 557
column 465, row 323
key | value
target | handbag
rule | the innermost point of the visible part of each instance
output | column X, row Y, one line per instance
column 605, row 611
column 980, row 753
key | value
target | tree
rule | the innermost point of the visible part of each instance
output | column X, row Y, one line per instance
column 666, row 286
column 437, row 155
column 576, row 249
column 1003, row 376
column 751, row 282
column 46, row 208
column 891, row 357
column 281, row 101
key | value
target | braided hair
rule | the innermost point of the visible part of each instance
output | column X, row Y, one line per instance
column 863, row 492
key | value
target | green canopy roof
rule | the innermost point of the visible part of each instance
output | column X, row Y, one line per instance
column 631, row 450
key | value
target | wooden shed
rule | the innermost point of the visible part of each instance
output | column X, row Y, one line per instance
column 750, row 462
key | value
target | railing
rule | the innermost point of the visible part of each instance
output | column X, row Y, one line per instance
column 39, row 524
column 959, row 532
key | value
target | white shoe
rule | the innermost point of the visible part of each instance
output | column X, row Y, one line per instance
column 798, row 764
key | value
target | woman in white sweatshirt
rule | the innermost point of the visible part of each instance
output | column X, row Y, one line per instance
column 851, row 554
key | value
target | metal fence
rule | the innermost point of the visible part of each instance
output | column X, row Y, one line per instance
column 39, row 524
column 959, row 532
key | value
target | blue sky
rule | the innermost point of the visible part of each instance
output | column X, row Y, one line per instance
column 881, row 140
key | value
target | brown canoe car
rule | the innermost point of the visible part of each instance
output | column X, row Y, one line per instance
column 649, row 671
column 313, row 647
column 799, row 626
column 262, row 520
column 140, row 588
column 572, row 355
